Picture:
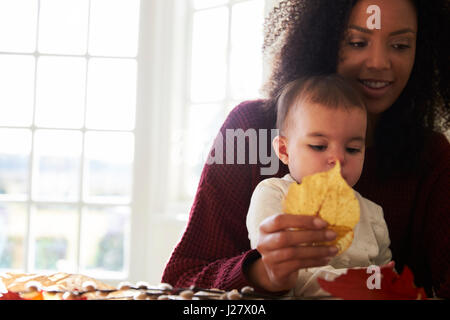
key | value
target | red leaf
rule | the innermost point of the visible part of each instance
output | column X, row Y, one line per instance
column 354, row 285
column 11, row 296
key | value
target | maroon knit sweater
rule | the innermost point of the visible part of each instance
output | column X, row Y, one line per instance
column 215, row 249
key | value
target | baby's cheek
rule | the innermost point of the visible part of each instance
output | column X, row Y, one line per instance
column 355, row 174
column 296, row 174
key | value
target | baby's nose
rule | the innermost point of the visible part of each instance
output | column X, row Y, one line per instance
column 334, row 157
column 332, row 163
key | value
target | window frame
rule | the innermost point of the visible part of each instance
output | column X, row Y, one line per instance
column 171, row 29
column 31, row 202
column 158, row 216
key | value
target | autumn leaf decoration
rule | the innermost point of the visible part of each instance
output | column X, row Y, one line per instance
column 16, row 296
column 354, row 285
column 10, row 296
column 40, row 295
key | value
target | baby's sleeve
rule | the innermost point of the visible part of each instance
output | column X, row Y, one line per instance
column 266, row 201
column 382, row 234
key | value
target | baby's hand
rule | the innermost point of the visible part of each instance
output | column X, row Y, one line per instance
column 286, row 244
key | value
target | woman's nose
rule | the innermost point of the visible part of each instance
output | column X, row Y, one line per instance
column 378, row 57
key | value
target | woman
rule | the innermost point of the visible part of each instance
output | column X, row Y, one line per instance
column 402, row 70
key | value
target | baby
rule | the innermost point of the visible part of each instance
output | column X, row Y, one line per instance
column 321, row 120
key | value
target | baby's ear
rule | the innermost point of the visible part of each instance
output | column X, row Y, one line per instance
column 280, row 146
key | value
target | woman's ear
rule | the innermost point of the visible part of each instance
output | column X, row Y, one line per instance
column 280, row 146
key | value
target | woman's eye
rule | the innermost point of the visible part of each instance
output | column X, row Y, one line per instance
column 353, row 150
column 401, row 46
column 317, row 147
column 357, row 44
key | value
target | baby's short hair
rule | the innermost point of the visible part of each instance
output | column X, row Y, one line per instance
column 331, row 91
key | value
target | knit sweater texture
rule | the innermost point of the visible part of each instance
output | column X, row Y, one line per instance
column 214, row 250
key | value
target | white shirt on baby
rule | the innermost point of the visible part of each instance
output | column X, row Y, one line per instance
column 370, row 245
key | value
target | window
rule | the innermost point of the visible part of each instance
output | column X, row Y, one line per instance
column 224, row 63
column 108, row 109
column 67, row 131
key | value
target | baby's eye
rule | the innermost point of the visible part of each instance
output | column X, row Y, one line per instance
column 353, row 150
column 317, row 147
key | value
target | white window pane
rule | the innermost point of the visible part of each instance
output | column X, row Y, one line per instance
column 114, row 27
column 204, row 125
column 63, row 26
column 15, row 147
column 60, row 92
column 108, row 166
column 56, row 165
column 200, row 4
column 209, row 55
column 105, row 234
column 18, row 20
column 17, row 87
column 246, row 43
column 54, row 234
column 13, row 222
column 111, row 100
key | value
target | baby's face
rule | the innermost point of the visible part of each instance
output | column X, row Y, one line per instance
column 317, row 136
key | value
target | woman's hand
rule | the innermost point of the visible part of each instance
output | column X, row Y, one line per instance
column 286, row 244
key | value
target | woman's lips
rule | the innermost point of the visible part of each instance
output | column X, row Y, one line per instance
column 375, row 88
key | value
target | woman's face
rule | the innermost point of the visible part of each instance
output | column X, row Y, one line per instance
column 379, row 61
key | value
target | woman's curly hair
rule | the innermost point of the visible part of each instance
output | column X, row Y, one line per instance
column 304, row 36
